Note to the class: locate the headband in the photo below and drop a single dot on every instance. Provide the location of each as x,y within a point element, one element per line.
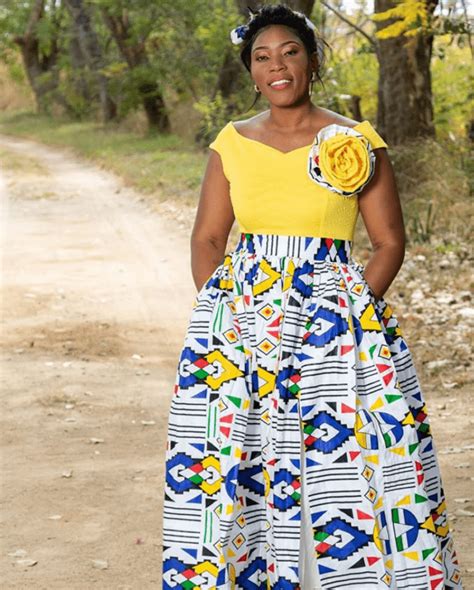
<point>237,35</point>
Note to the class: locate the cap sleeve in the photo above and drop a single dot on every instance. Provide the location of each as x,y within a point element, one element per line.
<point>371,134</point>
<point>221,146</point>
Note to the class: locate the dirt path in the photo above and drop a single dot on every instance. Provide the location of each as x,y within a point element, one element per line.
<point>97,291</point>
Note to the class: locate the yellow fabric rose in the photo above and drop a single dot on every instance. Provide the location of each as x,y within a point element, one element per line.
<point>344,161</point>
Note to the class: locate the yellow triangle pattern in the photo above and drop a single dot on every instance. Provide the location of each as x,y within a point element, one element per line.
<point>412,555</point>
<point>377,404</point>
<point>266,283</point>
<point>398,451</point>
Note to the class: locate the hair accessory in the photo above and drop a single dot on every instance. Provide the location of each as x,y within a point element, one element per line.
<point>238,34</point>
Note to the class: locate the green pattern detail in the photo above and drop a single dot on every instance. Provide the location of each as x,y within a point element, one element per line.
<point>218,317</point>
<point>413,447</point>
<point>235,400</point>
<point>420,499</point>
<point>426,552</point>
<point>392,397</point>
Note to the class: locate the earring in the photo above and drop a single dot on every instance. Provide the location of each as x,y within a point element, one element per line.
<point>255,88</point>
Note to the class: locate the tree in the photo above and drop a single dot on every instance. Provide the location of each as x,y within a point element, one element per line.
<point>40,59</point>
<point>405,96</point>
<point>132,47</point>
<point>90,48</point>
<point>404,49</point>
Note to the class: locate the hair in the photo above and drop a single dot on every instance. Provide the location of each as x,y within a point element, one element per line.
<point>282,14</point>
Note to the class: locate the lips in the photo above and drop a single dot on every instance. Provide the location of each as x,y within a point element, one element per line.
<point>280,86</point>
<point>276,80</point>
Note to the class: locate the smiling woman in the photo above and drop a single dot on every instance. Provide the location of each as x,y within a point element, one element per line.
<point>299,453</point>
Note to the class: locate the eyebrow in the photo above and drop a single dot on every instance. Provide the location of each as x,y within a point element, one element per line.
<point>266,46</point>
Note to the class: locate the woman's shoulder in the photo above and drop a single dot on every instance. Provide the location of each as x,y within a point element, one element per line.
<point>327,117</point>
<point>250,126</point>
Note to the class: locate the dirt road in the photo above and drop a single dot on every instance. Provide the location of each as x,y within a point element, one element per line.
<point>97,291</point>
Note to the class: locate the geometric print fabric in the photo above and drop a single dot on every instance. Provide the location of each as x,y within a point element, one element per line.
<point>288,355</point>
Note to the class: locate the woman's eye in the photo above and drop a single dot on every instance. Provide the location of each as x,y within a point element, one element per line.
<point>263,56</point>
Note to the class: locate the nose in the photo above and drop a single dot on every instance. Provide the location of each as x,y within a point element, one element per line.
<point>276,64</point>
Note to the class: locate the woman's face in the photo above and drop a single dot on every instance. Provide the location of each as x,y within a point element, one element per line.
<point>279,54</point>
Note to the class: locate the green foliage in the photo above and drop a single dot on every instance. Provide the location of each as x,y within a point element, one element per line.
<point>453,84</point>
<point>187,43</point>
<point>214,115</point>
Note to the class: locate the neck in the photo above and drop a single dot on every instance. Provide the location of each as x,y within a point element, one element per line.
<point>291,118</point>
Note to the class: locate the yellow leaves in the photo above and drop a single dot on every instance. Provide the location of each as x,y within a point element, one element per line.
<point>412,15</point>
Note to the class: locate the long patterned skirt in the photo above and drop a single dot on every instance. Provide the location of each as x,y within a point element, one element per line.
<point>290,367</point>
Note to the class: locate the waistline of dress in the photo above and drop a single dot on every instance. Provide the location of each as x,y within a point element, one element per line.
<point>307,247</point>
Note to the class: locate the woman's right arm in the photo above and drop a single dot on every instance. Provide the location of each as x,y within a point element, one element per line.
<point>213,222</point>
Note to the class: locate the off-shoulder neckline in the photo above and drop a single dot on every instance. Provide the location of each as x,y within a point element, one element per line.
<point>265,145</point>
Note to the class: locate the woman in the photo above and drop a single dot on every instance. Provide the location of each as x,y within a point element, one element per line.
<point>299,453</point>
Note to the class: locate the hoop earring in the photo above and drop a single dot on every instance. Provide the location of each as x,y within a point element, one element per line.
<point>256,89</point>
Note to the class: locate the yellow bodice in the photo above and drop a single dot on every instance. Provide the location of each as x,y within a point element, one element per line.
<point>271,191</point>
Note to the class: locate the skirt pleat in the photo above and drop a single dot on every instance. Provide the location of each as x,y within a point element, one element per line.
<point>299,453</point>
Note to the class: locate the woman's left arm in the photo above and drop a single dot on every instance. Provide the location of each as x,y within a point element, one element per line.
<point>381,210</point>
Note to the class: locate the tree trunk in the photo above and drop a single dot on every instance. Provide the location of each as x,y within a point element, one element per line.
<point>40,67</point>
<point>405,109</point>
<point>135,56</point>
<point>90,47</point>
<point>79,64</point>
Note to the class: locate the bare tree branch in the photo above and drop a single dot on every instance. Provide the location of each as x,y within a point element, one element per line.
<point>344,18</point>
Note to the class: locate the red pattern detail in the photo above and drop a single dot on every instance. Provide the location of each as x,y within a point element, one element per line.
<point>365,516</point>
<point>345,348</point>
<point>346,409</point>
<point>371,560</point>
<point>388,377</point>
<point>201,363</point>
